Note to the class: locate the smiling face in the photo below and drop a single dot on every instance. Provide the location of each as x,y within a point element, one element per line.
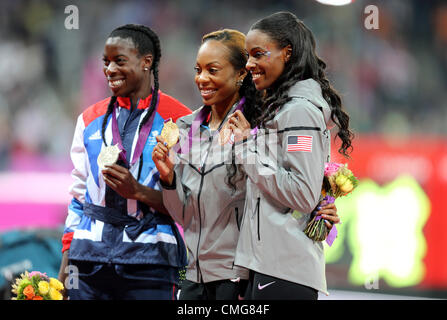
<point>215,76</point>
<point>266,60</point>
<point>124,69</point>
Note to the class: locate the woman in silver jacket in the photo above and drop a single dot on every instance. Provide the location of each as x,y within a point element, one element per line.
<point>205,191</point>
<point>284,160</point>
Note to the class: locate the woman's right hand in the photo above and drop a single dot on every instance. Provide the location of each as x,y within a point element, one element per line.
<point>163,162</point>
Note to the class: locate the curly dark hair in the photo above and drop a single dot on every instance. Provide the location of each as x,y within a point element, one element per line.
<point>286,29</point>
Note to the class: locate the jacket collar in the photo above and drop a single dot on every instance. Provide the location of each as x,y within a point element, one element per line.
<point>124,102</point>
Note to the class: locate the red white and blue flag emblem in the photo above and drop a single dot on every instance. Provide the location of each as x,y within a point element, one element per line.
<point>299,143</point>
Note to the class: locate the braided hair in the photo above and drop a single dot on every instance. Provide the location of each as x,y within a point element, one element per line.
<point>235,42</point>
<point>145,41</point>
<point>286,29</point>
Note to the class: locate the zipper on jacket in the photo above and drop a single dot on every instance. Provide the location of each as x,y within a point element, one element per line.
<point>187,193</point>
<point>237,218</point>
<point>257,205</point>
<point>200,225</point>
<point>202,176</point>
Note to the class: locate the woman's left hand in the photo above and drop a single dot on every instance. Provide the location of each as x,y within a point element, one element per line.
<point>239,125</point>
<point>121,180</point>
<point>329,213</point>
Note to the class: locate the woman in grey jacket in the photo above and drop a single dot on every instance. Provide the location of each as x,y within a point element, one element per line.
<point>284,161</point>
<point>205,191</point>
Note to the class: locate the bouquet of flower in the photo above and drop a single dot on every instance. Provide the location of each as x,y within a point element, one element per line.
<point>37,286</point>
<point>338,181</point>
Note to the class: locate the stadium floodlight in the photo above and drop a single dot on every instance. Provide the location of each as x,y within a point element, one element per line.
<point>335,2</point>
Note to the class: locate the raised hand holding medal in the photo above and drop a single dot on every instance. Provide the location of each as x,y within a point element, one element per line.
<point>225,134</point>
<point>168,137</point>
<point>238,126</point>
<point>230,129</point>
<point>170,133</point>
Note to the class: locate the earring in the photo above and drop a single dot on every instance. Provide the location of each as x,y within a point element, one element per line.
<point>239,83</point>
<point>146,69</point>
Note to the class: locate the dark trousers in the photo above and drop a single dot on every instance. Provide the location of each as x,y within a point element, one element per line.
<point>264,287</point>
<point>215,290</point>
<point>102,282</point>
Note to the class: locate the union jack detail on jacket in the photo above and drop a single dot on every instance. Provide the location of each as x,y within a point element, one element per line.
<point>93,240</point>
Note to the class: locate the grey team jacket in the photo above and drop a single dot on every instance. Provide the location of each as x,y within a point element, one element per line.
<point>284,176</point>
<point>205,206</point>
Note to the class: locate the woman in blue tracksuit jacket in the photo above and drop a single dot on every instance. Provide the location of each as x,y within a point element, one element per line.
<point>118,235</point>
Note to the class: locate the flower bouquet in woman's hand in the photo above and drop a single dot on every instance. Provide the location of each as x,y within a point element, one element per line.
<point>37,286</point>
<point>338,181</point>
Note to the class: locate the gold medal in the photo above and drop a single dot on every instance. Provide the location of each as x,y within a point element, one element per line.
<point>170,133</point>
<point>108,156</point>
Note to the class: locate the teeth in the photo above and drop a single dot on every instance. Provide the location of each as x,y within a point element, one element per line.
<point>255,75</point>
<point>207,91</point>
<point>116,83</point>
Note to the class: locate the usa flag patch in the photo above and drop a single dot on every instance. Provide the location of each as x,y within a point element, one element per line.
<point>299,143</point>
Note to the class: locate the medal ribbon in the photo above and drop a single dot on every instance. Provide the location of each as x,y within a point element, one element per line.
<point>142,136</point>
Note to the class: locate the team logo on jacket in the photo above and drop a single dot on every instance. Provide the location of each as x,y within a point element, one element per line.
<point>151,140</point>
<point>299,143</point>
<point>95,136</point>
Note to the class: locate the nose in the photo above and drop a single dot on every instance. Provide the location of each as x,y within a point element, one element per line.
<point>250,64</point>
<point>110,69</point>
<point>202,78</point>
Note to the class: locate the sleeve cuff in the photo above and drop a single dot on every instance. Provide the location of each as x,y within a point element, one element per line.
<point>169,187</point>
<point>66,241</point>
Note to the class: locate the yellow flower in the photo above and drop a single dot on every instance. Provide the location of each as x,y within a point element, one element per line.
<point>44,287</point>
<point>344,184</point>
<point>341,179</point>
<point>347,186</point>
<point>56,284</point>
<point>55,295</point>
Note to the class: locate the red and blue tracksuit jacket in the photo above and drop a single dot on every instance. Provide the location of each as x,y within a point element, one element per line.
<point>97,241</point>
